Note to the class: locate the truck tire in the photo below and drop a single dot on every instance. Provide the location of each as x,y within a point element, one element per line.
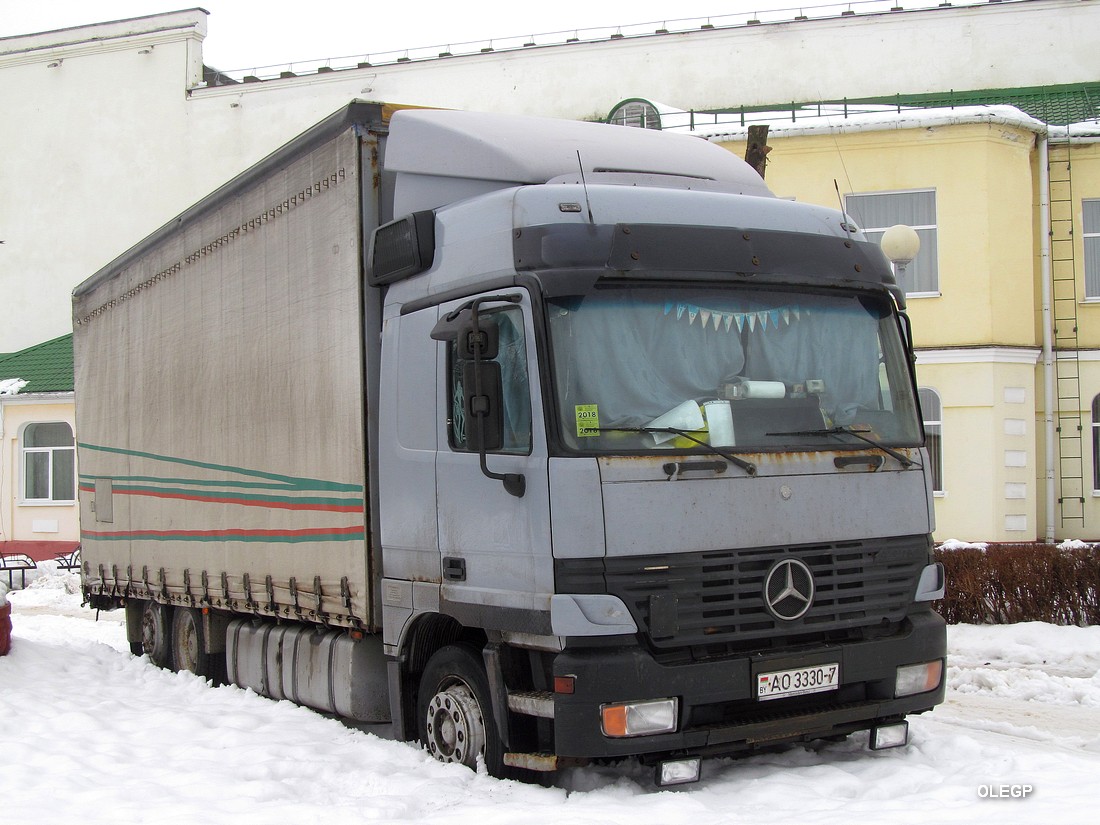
<point>189,643</point>
<point>156,632</point>
<point>455,715</point>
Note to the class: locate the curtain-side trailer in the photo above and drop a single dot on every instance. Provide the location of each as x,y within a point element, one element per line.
<point>542,441</point>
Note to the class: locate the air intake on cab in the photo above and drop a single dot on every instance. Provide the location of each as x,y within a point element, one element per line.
<point>401,248</point>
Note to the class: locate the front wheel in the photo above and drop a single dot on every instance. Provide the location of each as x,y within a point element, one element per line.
<point>456,718</point>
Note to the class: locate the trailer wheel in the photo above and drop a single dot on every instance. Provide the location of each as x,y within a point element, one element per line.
<point>456,720</point>
<point>155,633</point>
<point>189,643</point>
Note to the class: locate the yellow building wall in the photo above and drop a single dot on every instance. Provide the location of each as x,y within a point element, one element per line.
<point>31,522</point>
<point>990,488</point>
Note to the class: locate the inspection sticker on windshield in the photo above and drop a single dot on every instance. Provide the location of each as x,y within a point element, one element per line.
<point>797,682</point>
<point>588,420</point>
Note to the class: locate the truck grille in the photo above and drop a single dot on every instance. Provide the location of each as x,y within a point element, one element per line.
<point>712,603</point>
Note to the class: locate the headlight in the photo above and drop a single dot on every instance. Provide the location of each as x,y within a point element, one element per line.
<point>639,718</point>
<point>918,678</point>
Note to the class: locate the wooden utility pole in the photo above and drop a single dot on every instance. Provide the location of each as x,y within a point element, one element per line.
<point>756,153</point>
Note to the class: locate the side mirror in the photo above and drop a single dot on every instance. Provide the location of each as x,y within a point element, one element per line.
<point>477,343</point>
<point>484,402</point>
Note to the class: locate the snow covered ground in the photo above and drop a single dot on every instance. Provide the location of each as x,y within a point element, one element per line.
<point>91,734</point>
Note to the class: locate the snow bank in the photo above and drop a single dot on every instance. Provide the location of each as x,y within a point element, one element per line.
<point>1074,544</point>
<point>91,734</point>
<point>955,544</point>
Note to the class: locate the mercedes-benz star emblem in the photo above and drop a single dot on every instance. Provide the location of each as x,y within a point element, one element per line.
<point>789,590</point>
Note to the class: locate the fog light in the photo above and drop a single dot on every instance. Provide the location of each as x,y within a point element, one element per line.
<point>678,772</point>
<point>639,718</point>
<point>918,678</point>
<point>889,736</point>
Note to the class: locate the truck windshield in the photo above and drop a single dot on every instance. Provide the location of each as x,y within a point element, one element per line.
<point>752,369</point>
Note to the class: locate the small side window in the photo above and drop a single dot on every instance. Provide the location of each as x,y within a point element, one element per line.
<point>932,410</point>
<point>512,358</point>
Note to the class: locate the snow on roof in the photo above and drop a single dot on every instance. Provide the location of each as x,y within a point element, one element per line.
<point>832,119</point>
<point>11,386</point>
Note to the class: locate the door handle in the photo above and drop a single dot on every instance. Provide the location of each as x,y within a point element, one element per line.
<point>454,569</point>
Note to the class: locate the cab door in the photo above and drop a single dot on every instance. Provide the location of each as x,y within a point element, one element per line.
<point>494,538</point>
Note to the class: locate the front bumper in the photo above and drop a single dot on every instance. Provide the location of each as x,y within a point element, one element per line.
<point>718,710</point>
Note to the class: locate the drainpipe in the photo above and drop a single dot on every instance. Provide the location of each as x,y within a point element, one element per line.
<point>1048,343</point>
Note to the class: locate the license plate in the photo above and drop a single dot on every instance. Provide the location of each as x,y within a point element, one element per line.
<point>797,682</point>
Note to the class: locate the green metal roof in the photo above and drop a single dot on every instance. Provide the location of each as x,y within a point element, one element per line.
<point>46,367</point>
<point>1053,105</point>
<point>1056,105</point>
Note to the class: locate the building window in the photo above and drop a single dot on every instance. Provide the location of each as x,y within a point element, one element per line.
<point>1090,216</point>
<point>874,213</point>
<point>49,463</point>
<point>932,413</point>
<point>640,114</point>
<point>1096,443</point>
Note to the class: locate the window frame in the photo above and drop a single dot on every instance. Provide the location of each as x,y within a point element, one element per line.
<point>874,233</point>
<point>933,427</point>
<point>1089,239</point>
<point>1096,445</point>
<point>25,452</point>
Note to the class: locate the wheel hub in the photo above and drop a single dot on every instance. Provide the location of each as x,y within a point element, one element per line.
<point>187,652</point>
<point>456,727</point>
<point>150,631</point>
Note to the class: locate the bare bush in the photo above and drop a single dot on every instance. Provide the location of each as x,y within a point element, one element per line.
<point>1007,583</point>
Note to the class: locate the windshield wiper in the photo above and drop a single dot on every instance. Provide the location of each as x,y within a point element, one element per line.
<point>902,459</point>
<point>747,466</point>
